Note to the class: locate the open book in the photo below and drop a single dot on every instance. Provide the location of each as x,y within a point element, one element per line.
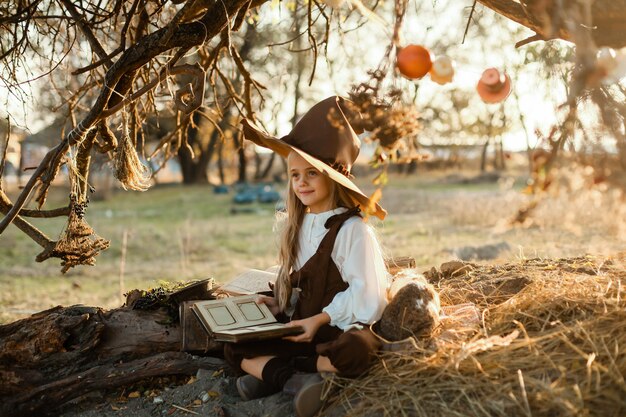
<point>250,282</point>
<point>240,319</point>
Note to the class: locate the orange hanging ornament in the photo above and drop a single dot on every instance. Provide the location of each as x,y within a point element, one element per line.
<point>414,61</point>
<point>442,70</point>
<point>494,86</point>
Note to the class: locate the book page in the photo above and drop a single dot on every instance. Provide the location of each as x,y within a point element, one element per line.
<point>250,282</point>
<point>250,311</point>
<point>221,315</point>
<point>233,312</point>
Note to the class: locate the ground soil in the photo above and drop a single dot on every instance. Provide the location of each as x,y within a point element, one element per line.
<point>207,394</point>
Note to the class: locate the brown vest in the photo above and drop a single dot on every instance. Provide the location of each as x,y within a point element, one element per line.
<point>319,279</point>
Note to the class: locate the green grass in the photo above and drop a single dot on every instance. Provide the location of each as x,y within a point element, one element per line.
<point>180,233</point>
<point>174,233</point>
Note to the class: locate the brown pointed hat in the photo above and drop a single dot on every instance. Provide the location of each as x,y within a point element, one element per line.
<point>325,138</point>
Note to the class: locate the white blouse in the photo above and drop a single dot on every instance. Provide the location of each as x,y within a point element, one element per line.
<point>360,261</point>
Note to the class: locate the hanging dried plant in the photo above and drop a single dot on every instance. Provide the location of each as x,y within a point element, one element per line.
<point>387,118</point>
<point>383,113</point>
<point>129,169</point>
<point>78,244</point>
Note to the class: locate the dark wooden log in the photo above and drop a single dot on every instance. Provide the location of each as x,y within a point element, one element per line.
<point>60,342</point>
<point>61,353</point>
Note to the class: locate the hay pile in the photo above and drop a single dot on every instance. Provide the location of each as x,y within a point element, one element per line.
<point>550,341</point>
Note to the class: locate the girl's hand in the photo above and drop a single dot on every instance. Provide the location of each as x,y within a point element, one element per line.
<point>311,325</point>
<point>270,302</point>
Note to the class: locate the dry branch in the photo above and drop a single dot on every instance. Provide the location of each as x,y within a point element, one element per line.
<point>119,79</point>
<point>608,18</point>
<point>85,28</point>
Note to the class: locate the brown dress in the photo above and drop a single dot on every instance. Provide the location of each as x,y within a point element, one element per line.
<point>319,280</point>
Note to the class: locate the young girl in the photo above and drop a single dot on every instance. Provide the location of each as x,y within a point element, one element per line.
<point>332,279</point>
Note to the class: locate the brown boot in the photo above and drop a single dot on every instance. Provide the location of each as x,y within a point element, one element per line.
<point>251,388</point>
<point>308,393</point>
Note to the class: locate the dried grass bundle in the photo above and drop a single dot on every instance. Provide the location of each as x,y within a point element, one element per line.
<point>555,348</point>
<point>387,120</point>
<point>79,244</point>
<point>129,169</point>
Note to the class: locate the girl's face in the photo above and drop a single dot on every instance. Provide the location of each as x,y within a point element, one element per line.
<point>313,189</point>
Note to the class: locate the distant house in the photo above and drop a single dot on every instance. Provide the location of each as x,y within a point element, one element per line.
<point>12,159</point>
<point>35,146</point>
<point>12,151</point>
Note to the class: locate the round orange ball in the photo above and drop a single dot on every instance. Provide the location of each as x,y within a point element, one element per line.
<point>414,61</point>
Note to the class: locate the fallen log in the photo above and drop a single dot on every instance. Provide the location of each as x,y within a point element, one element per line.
<point>60,342</point>
<point>59,354</point>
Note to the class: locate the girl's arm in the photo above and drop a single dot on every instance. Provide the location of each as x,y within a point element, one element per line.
<point>311,325</point>
<point>359,258</point>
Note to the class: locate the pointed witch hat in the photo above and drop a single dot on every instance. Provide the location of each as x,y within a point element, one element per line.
<point>325,138</point>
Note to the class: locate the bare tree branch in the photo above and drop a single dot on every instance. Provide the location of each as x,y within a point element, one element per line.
<point>84,27</point>
<point>31,231</point>
<point>121,74</point>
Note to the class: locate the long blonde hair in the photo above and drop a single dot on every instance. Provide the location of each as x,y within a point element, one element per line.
<point>289,231</point>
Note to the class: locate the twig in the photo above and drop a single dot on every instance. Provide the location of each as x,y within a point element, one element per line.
<point>241,15</point>
<point>184,409</point>
<point>98,62</point>
<point>6,204</point>
<point>533,38</point>
<point>312,42</point>
<point>165,72</point>
<point>190,8</point>
<point>118,50</point>
<point>31,231</point>
<point>248,80</point>
<point>5,148</point>
<point>84,27</point>
<point>123,263</point>
<point>524,393</point>
<point>469,20</point>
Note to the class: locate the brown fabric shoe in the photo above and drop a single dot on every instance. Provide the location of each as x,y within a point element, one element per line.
<point>308,398</point>
<point>251,388</point>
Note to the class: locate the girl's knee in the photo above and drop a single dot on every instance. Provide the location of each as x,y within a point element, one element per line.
<point>361,341</point>
<point>325,365</point>
<point>352,353</point>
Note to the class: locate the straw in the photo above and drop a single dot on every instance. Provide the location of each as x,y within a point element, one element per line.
<point>129,170</point>
<point>551,344</point>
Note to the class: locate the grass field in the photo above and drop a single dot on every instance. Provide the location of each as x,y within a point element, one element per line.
<point>177,233</point>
